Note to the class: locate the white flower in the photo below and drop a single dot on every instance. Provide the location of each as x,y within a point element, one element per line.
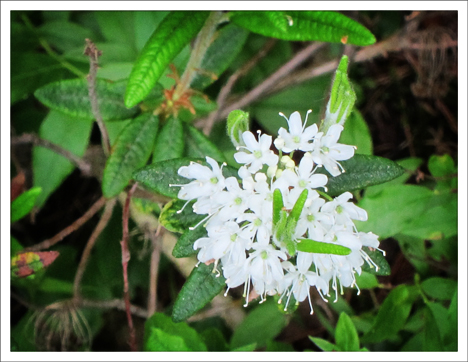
<point>343,211</point>
<point>260,152</point>
<point>300,278</point>
<point>298,137</point>
<point>301,178</point>
<point>313,221</point>
<point>327,151</point>
<point>207,182</point>
<point>234,200</point>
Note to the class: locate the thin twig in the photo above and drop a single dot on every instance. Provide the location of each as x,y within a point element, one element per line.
<point>264,87</point>
<point>125,260</point>
<point>46,244</point>
<point>226,89</point>
<point>113,304</point>
<point>90,244</point>
<point>155,258</point>
<point>84,167</point>
<point>92,51</point>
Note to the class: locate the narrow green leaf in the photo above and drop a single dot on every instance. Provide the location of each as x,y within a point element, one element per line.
<point>72,98</point>
<point>175,220</point>
<point>50,168</point>
<point>184,245</point>
<point>379,259</point>
<point>432,341</point>
<point>170,141</point>
<point>223,50</point>
<point>346,336</point>
<point>172,34</point>
<point>162,177</point>
<point>198,145</point>
<point>392,315</point>
<point>362,171</point>
<point>200,288</point>
<point>24,203</point>
<point>130,152</point>
<point>312,246</point>
<point>323,344</point>
<point>297,209</point>
<point>162,334</point>
<point>277,205</point>
<point>439,288</point>
<point>342,98</point>
<point>323,26</point>
<point>367,280</point>
<point>357,133</point>
<point>237,124</point>
<point>262,324</point>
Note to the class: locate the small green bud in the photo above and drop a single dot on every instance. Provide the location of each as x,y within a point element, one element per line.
<point>237,123</point>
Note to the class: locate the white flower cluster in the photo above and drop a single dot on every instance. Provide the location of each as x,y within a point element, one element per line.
<point>239,223</point>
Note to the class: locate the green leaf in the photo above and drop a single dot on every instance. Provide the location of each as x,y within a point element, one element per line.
<point>200,288</point>
<point>277,205</point>
<point>357,133</point>
<point>361,171</point>
<point>296,211</point>
<point>312,246</point>
<point>323,344</point>
<point>170,141</point>
<point>24,203</point>
<point>432,340</point>
<point>28,263</point>
<point>379,259</point>
<point>130,152</point>
<point>162,334</point>
<point>15,246</point>
<point>323,26</point>
<point>246,348</point>
<point>179,222</point>
<point>214,340</point>
<point>262,324</point>
<point>72,98</point>
<point>227,44</point>
<point>392,315</point>
<point>199,146</point>
<point>440,166</point>
<point>65,35</point>
<point>171,36</point>
<point>50,168</point>
<point>342,98</point>
<point>366,280</point>
<point>162,177</point>
<point>439,288</point>
<point>237,124</point>
<point>346,336</point>
<point>184,245</point>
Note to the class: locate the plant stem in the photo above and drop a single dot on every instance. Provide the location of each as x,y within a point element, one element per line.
<point>46,244</point>
<point>202,42</point>
<point>93,53</point>
<point>155,258</point>
<point>51,52</point>
<point>84,167</point>
<point>125,260</point>
<point>89,246</point>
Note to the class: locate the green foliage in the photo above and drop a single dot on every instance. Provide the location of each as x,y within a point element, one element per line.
<point>362,171</point>
<point>170,141</point>
<point>184,246</point>
<point>50,168</point>
<point>237,123</point>
<point>129,153</point>
<point>201,287</point>
<point>71,97</point>
<point>163,335</point>
<point>439,288</point>
<point>172,34</point>
<point>383,268</point>
<point>312,246</point>
<point>199,146</point>
<point>357,133</point>
<point>304,26</point>
<point>174,217</point>
<point>24,203</point>
<point>261,325</point>
<point>227,44</point>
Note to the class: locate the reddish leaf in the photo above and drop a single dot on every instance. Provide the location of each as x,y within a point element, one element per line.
<point>25,264</point>
<point>17,185</point>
